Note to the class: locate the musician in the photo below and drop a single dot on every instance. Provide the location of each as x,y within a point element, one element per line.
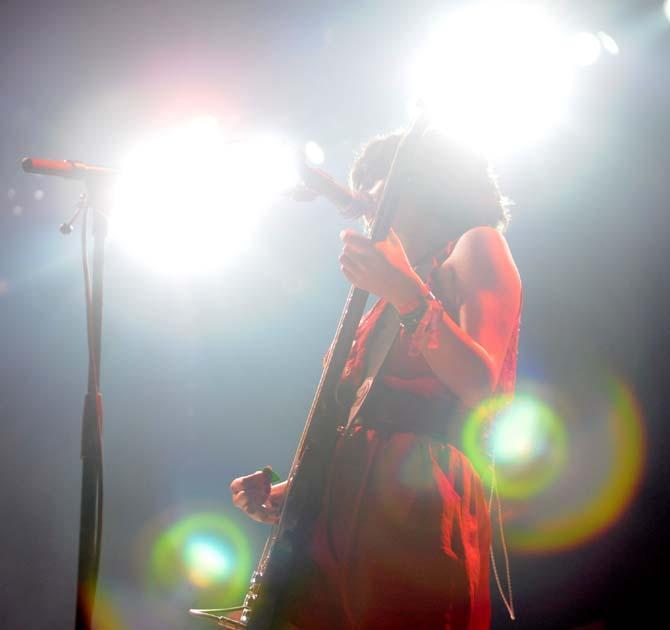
<point>403,535</point>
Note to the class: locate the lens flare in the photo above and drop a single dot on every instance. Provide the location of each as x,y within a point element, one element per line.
<point>568,463</point>
<point>106,615</point>
<point>523,436</point>
<point>208,561</point>
<point>203,559</point>
<point>603,480</point>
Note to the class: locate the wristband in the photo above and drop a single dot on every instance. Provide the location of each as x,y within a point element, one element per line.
<point>412,313</point>
<point>411,320</point>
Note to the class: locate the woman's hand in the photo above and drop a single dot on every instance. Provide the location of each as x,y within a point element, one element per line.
<point>380,268</point>
<point>257,497</point>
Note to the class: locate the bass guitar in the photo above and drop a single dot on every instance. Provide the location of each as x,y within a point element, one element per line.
<point>279,573</point>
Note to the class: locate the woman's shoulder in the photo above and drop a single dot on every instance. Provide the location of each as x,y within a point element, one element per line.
<point>482,239</point>
<point>481,257</point>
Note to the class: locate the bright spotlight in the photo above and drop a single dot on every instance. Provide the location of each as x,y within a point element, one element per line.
<point>586,49</point>
<point>666,8</point>
<point>189,198</point>
<point>495,74</point>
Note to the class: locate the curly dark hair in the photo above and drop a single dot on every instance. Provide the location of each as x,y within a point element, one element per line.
<point>449,178</point>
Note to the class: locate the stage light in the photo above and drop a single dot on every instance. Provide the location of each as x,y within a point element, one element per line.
<point>586,49</point>
<point>190,197</point>
<point>496,74</point>
<point>666,9</point>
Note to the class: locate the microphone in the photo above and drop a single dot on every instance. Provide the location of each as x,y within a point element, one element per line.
<point>65,168</point>
<point>350,203</point>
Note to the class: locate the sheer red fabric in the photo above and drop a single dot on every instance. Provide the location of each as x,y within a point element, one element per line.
<point>402,539</point>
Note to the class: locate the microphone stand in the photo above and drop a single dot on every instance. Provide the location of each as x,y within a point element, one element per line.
<point>97,180</point>
<point>90,516</point>
<point>91,502</point>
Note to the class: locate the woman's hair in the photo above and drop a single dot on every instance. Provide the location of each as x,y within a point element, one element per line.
<point>448,178</point>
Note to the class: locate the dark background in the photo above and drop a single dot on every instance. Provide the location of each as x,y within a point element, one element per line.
<point>211,377</point>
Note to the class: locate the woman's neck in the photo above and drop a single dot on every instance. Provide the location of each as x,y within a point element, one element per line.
<point>418,247</point>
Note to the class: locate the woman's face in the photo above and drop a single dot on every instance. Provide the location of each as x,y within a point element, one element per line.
<point>405,215</point>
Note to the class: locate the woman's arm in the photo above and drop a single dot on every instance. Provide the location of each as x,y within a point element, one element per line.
<point>479,276</point>
<point>469,354</point>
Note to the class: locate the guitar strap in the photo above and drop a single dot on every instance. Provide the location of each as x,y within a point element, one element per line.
<point>386,333</point>
<point>387,329</point>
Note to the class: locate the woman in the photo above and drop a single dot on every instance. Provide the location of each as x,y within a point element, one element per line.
<point>403,534</point>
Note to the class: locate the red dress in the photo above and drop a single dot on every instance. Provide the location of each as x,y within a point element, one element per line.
<point>403,535</point>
